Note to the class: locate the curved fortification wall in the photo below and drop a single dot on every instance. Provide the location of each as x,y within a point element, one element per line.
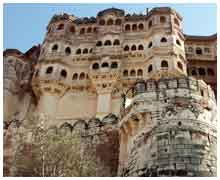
<point>169,130</point>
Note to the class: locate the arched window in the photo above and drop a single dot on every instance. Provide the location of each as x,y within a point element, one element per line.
<point>150,68</point>
<point>105,64</point>
<point>194,73</point>
<point>201,71</point>
<point>134,27</point>
<point>72,29</point>
<point>150,24</point>
<point>140,47</point>
<point>85,51</point>
<point>125,73</point>
<point>99,43</point>
<point>63,73</point>
<point>49,70</point>
<point>68,51</point>
<point>199,51</point>
<point>108,43</point>
<point>118,22</point>
<point>89,30</point>
<point>114,65</point>
<point>75,76</point>
<point>102,22</point>
<point>94,29</point>
<point>164,64</point>
<point>126,48</point>
<point>163,40</point>
<point>190,49</point>
<point>90,51</point>
<point>133,48</point>
<point>176,21</point>
<point>55,47</point>
<point>78,51</point>
<point>210,72</point>
<point>82,76</point>
<point>141,26</point>
<point>110,22</point>
<point>127,27</point>
<point>82,31</point>
<point>133,73</point>
<point>140,72</point>
<point>116,42</point>
<point>150,45</point>
<point>162,19</point>
<point>95,66</point>
<point>180,66</point>
<point>178,42</point>
<point>60,26</point>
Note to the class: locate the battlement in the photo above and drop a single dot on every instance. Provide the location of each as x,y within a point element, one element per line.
<point>165,89</point>
<point>194,86</point>
<point>84,128</point>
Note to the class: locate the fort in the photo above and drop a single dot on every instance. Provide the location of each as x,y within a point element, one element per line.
<point>134,86</point>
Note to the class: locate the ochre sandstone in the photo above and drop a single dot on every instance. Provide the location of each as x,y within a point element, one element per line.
<point>135,88</point>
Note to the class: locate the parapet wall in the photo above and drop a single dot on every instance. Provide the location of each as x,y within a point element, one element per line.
<point>198,87</point>
<point>84,128</point>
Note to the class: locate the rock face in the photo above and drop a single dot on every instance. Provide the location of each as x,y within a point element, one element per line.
<point>19,100</point>
<point>134,88</point>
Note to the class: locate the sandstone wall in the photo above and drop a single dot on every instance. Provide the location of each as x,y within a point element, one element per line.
<point>98,137</point>
<point>170,130</point>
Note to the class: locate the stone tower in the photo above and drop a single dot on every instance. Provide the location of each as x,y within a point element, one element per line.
<point>169,129</point>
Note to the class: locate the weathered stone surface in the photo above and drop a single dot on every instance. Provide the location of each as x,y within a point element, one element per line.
<point>181,138</point>
<point>123,84</point>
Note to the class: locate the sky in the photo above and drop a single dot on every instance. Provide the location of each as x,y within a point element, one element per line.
<point>25,24</point>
